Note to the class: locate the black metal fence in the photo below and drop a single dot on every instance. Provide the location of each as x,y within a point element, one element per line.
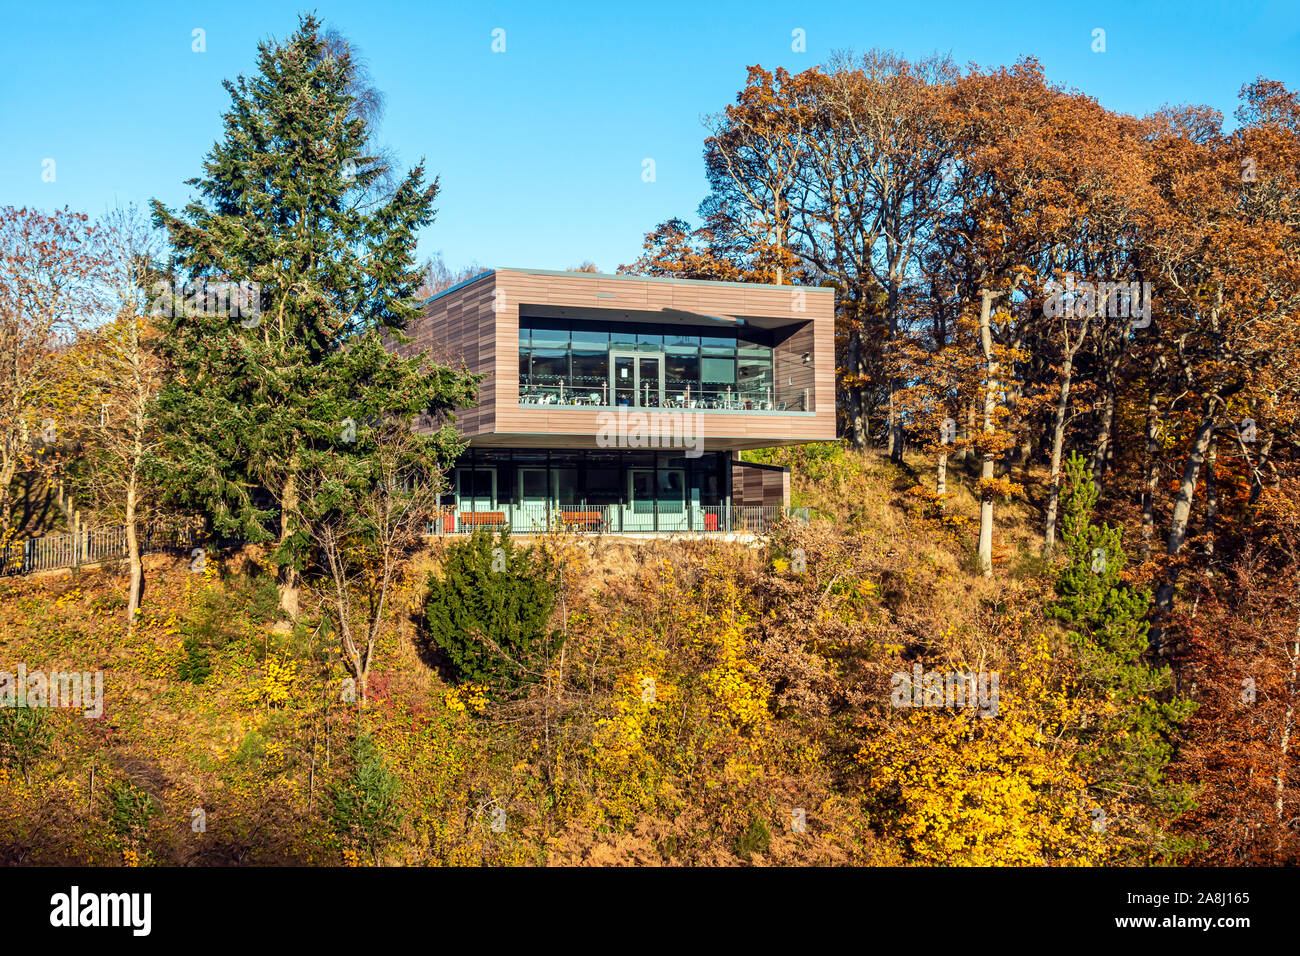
<point>96,545</point>
<point>91,546</point>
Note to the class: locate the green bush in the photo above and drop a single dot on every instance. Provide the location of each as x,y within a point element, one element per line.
<point>196,665</point>
<point>365,808</point>
<point>757,838</point>
<point>218,618</point>
<point>489,611</point>
<point>24,737</point>
<point>129,810</point>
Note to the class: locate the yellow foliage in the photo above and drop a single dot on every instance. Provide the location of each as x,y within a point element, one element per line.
<point>276,686</point>
<point>955,787</point>
<point>470,697</point>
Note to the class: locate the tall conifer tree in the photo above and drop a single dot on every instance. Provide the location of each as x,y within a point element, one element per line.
<point>291,199</point>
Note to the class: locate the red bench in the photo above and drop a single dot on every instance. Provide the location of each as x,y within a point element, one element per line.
<point>472,518</point>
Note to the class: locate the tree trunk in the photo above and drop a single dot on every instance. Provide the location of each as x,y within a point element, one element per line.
<point>1257,472</point>
<point>989,458</point>
<point>941,477</point>
<point>7,470</point>
<point>1211,499</point>
<point>288,578</point>
<point>1182,511</point>
<point>895,420</point>
<point>893,430</point>
<point>1284,746</point>
<point>133,557</point>
<point>1058,443</point>
<point>1103,454</point>
<point>853,392</point>
<point>1150,476</point>
<point>1187,488</point>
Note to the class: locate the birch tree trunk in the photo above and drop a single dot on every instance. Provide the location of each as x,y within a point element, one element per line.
<point>1284,745</point>
<point>1058,436</point>
<point>989,458</point>
<point>1182,511</point>
<point>1211,499</point>
<point>132,556</point>
<point>1150,475</point>
<point>1058,442</point>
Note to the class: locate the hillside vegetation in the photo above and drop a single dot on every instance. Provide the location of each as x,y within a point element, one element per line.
<point>693,702</point>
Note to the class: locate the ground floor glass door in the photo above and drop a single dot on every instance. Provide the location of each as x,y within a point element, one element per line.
<point>533,487</point>
<point>656,499</point>
<point>476,490</point>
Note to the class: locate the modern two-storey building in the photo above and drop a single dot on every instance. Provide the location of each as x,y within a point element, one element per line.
<point>621,404</point>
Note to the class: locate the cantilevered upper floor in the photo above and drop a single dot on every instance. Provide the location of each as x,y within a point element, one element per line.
<point>753,364</point>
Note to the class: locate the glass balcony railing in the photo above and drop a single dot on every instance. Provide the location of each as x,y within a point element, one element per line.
<point>704,400</point>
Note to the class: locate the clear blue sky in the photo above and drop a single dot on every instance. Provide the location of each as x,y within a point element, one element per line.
<point>540,148</point>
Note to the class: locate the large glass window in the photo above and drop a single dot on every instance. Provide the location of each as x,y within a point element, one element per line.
<point>718,345</point>
<point>568,361</point>
<point>718,382</point>
<point>682,373</point>
<point>622,336</point>
<point>650,340</point>
<point>590,365</point>
<point>754,373</point>
<point>550,354</point>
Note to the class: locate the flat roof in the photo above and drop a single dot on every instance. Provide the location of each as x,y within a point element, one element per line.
<point>458,285</point>
<point>627,278</point>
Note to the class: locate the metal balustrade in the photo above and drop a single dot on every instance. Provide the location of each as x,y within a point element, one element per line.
<point>661,518</point>
<point>96,545</point>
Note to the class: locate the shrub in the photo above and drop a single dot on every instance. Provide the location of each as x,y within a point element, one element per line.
<point>489,611</point>
<point>129,810</point>
<point>365,808</point>
<point>757,838</point>
<point>24,737</point>
<point>196,665</point>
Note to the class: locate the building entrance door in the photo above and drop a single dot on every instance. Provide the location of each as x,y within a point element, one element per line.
<point>637,379</point>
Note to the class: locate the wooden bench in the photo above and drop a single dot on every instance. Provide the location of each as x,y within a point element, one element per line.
<point>473,518</point>
<point>582,520</point>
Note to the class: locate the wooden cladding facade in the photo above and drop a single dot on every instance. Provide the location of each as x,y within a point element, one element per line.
<point>755,484</point>
<point>477,324</point>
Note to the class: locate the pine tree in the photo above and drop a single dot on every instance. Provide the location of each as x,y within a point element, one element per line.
<point>1128,744</point>
<point>366,809</point>
<point>295,381</point>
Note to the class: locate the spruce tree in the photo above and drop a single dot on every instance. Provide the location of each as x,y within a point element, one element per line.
<point>1129,739</point>
<point>291,199</point>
